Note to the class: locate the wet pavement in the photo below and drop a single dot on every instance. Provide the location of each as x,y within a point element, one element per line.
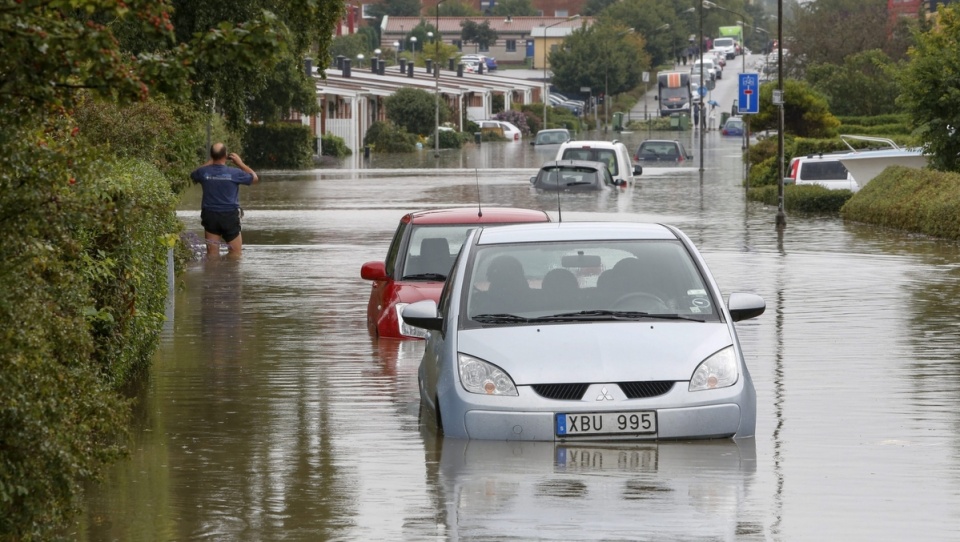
<point>271,414</point>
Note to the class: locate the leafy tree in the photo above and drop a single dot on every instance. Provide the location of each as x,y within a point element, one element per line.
<point>395,8</point>
<point>647,18</point>
<point>828,31</point>
<point>931,91</point>
<point>415,110</point>
<point>420,32</point>
<point>599,57</point>
<point>594,7</point>
<point>864,85</point>
<point>805,111</point>
<point>514,8</point>
<point>480,34</point>
<point>348,46</point>
<point>457,9</point>
<point>264,67</point>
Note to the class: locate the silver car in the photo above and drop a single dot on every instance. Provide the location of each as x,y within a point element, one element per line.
<point>584,331</point>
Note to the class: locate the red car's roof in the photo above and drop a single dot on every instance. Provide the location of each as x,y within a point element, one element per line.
<point>469,215</point>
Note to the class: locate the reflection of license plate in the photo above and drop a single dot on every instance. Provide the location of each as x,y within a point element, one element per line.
<point>632,459</point>
<point>606,423</point>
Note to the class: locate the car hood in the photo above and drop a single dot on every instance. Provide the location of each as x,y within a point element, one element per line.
<point>411,292</point>
<point>597,352</point>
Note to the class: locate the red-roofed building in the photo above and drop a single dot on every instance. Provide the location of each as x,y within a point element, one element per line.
<point>911,8</point>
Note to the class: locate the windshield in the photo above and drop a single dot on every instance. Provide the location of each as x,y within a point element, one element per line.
<point>607,156</point>
<point>723,42</point>
<point>585,281</point>
<point>568,177</point>
<point>432,249</point>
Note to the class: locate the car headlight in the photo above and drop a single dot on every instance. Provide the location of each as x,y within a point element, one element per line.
<point>405,328</point>
<point>478,376</point>
<point>718,371</point>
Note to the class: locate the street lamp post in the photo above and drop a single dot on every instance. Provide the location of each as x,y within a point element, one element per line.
<point>546,87</point>
<point>436,80</point>
<point>413,47</point>
<point>360,60</point>
<point>396,52</point>
<point>700,119</point>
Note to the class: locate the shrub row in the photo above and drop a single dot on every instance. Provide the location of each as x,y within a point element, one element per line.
<point>279,145</point>
<point>920,201</point>
<point>811,199</point>
<point>83,248</point>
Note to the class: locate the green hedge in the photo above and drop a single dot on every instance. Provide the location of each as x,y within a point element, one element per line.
<point>331,145</point>
<point>388,137</point>
<point>278,146</point>
<point>914,200</point>
<point>810,199</point>
<point>83,246</point>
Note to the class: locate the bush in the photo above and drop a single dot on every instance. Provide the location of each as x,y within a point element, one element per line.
<point>414,110</point>
<point>388,137</point>
<point>331,145</point>
<point>166,135</point>
<point>82,254</point>
<point>811,199</point>
<point>521,120</point>
<point>449,139</point>
<point>921,201</point>
<point>279,145</point>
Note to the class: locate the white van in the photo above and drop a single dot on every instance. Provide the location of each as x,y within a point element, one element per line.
<point>612,153</point>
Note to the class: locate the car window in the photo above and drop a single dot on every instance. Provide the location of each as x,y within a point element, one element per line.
<point>607,156</point>
<point>568,177</point>
<point>432,249</point>
<point>533,280</point>
<point>393,254</point>
<point>822,170</point>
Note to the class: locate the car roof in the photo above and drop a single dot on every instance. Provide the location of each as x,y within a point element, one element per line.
<point>573,163</point>
<point>588,144</point>
<point>469,215</point>
<point>575,231</point>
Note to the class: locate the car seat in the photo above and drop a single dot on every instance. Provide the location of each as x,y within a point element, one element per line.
<point>561,290</point>
<point>508,289</point>
<point>434,256</point>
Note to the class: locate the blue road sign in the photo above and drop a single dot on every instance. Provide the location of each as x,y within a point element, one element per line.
<point>702,91</point>
<point>748,101</point>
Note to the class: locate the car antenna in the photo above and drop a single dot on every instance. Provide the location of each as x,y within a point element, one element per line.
<point>479,208</point>
<point>559,213</point>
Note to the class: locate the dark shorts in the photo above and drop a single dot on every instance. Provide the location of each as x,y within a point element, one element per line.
<point>226,224</point>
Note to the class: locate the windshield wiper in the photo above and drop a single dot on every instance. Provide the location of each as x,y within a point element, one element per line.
<point>500,319</point>
<point>426,276</point>
<point>600,315</point>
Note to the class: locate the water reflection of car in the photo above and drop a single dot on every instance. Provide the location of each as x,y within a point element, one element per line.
<point>689,490</point>
<point>663,151</point>
<point>553,136</point>
<point>733,127</point>
<point>574,176</point>
<point>581,331</point>
<point>419,258</point>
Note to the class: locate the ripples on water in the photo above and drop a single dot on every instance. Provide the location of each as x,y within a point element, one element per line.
<point>271,414</point>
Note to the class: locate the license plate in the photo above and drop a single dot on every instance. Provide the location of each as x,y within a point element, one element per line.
<point>606,423</point>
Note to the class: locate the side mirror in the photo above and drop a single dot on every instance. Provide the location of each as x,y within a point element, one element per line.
<point>533,180</point>
<point>656,97</point>
<point>742,306</point>
<point>533,142</point>
<point>423,314</point>
<point>637,170</point>
<point>373,271</point>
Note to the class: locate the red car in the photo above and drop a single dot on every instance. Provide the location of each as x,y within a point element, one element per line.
<point>420,256</point>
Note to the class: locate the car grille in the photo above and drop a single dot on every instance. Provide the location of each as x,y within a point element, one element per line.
<point>640,390</point>
<point>574,392</point>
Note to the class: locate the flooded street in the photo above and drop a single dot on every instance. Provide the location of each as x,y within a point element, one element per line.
<point>272,414</point>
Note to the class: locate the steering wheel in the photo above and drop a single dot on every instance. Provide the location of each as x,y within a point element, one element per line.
<point>640,302</point>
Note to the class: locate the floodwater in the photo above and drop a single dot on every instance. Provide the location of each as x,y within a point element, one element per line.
<point>271,414</point>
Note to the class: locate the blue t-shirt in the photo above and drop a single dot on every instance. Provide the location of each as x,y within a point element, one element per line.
<point>221,186</point>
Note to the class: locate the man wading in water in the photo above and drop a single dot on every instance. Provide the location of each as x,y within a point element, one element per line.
<point>220,211</point>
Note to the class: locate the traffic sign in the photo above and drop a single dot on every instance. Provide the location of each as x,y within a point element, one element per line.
<point>749,99</point>
<point>702,91</point>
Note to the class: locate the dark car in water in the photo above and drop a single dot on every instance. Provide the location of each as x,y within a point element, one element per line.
<point>574,176</point>
<point>662,150</point>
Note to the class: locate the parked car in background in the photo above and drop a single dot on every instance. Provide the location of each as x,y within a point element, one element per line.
<point>503,127</point>
<point>581,331</point>
<point>708,68</point>
<point>572,106</point>
<point>419,258</point>
<point>574,176</point>
<point>733,127</point>
<point>662,151</point>
<point>553,136</point>
<point>824,170</point>
<point>489,63</point>
<point>612,153</point>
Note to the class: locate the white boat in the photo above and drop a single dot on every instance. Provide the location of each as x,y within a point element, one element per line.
<point>865,164</point>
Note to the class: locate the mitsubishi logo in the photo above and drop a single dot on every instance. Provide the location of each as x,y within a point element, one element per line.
<point>604,395</point>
